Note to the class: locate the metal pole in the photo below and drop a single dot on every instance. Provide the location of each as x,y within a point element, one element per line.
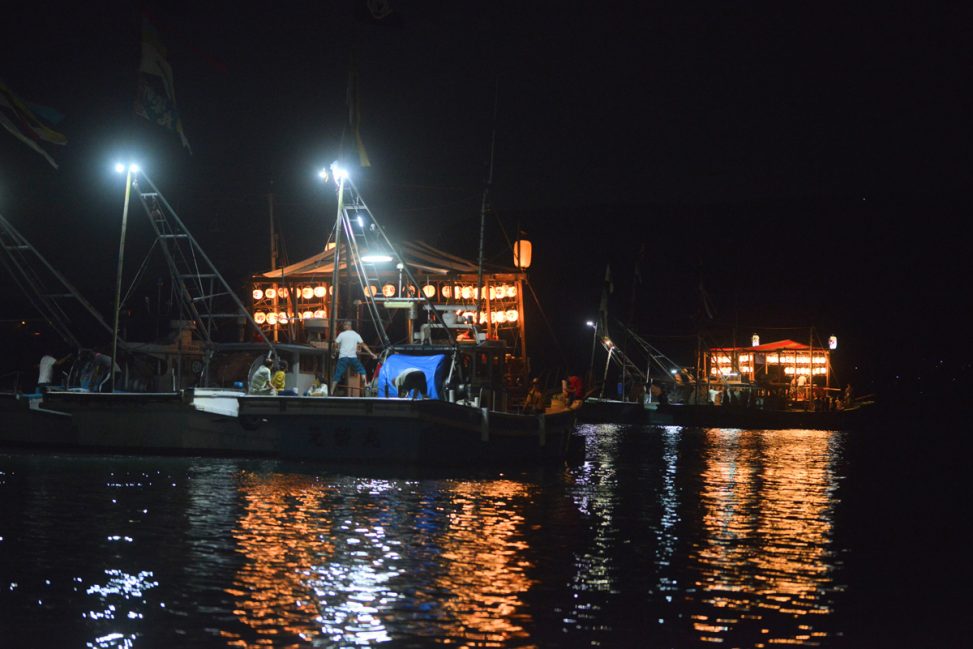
<point>333,324</point>
<point>118,277</point>
<point>591,363</point>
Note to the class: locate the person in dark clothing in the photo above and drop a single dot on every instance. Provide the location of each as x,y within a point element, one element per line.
<point>412,380</point>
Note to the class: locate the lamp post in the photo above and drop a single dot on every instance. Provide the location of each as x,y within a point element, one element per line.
<point>130,171</point>
<point>591,363</point>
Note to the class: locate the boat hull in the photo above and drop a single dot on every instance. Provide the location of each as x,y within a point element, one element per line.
<point>407,431</point>
<point>730,417</point>
<point>609,411</point>
<point>296,428</point>
<point>152,423</point>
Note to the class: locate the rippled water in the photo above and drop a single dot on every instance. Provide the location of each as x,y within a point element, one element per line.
<point>662,537</point>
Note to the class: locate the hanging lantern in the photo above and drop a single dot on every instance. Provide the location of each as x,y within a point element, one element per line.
<point>260,317</point>
<point>270,293</point>
<point>447,291</point>
<point>373,290</point>
<point>307,315</point>
<point>320,313</point>
<point>282,317</point>
<point>501,292</point>
<point>272,318</point>
<point>522,254</point>
<point>467,293</point>
<point>755,340</point>
<point>512,315</point>
<point>388,290</point>
<point>512,291</point>
<point>320,291</point>
<point>307,292</point>
<point>282,293</point>
<point>412,292</point>
<point>429,291</point>
<point>500,316</point>
<point>833,342</point>
<point>258,294</point>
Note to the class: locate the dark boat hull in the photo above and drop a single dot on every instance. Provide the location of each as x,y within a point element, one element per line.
<point>730,417</point>
<point>151,423</point>
<point>297,428</point>
<point>608,411</point>
<point>414,432</point>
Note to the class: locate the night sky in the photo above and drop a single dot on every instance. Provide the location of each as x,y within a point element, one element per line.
<point>809,164</point>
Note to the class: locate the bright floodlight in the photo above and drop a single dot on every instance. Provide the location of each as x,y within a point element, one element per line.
<point>376,259</point>
<point>674,372</point>
<point>323,174</point>
<point>133,168</point>
<point>338,172</point>
<point>119,168</point>
<point>590,323</point>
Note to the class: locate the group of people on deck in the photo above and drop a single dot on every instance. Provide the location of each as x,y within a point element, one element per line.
<point>271,377</point>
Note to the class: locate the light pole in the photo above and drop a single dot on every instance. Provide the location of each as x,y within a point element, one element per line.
<point>591,363</point>
<point>131,169</point>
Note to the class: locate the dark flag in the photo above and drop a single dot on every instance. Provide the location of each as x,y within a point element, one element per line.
<point>156,98</point>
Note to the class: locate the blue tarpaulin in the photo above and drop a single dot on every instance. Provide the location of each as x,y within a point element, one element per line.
<point>434,366</point>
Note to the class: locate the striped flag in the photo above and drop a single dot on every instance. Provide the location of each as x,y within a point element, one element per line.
<point>156,98</point>
<point>21,120</point>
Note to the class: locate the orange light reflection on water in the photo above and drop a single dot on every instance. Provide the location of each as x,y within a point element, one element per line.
<point>767,521</point>
<point>320,566</point>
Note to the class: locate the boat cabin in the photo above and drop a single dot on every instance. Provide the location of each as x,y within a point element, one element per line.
<point>776,373</point>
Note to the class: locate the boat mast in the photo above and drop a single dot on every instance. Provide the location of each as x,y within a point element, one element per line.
<point>483,210</point>
<point>333,319</point>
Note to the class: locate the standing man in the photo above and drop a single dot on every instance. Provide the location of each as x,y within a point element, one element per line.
<point>347,342</point>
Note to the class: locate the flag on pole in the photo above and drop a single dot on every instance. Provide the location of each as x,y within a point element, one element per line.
<point>156,97</point>
<point>353,100</point>
<point>21,120</point>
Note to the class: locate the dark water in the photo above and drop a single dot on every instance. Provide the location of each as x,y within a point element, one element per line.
<point>664,537</point>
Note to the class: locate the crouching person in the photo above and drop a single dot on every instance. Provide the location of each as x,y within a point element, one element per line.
<point>412,380</point>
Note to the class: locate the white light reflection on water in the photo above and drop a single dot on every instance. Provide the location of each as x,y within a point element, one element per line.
<point>324,562</point>
<point>666,538</point>
<point>596,496</point>
<point>121,596</point>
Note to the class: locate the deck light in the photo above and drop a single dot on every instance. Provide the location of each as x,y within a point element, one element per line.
<point>375,258</point>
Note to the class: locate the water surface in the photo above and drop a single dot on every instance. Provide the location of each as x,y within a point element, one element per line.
<point>664,537</point>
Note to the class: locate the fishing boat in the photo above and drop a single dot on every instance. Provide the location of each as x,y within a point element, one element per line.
<point>469,414</point>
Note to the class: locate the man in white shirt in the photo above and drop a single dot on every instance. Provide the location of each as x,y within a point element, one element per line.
<point>45,374</point>
<point>347,342</point>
